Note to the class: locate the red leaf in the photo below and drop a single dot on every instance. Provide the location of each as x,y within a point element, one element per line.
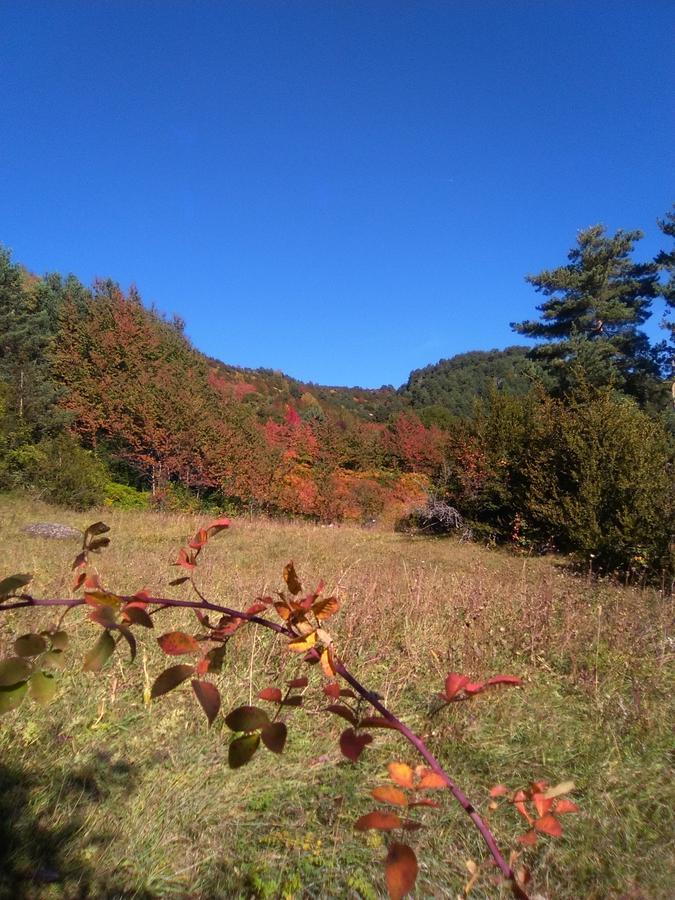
<point>504,679</point>
<point>549,825</point>
<point>400,870</point>
<point>565,806</point>
<point>424,801</point>
<point>187,562</point>
<point>375,721</point>
<point>352,744</point>
<point>80,560</point>
<point>138,616</point>
<point>474,687</point>
<point>208,697</point>
<point>199,539</point>
<point>273,694</point>
<point>299,682</point>
<point>218,525</point>
<point>175,643</point>
<point>339,710</point>
<point>499,790</point>
<point>274,736</point>
<point>541,804</point>
<point>519,799</point>
<point>256,608</point>
<point>79,581</point>
<point>529,838</point>
<point>454,683</point>
<point>382,821</point>
<point>332,690</point>
<point>169,679</point>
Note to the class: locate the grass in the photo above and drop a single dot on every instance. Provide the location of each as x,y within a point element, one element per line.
<point>102,795</point>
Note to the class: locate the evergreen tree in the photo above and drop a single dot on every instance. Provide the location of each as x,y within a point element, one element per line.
<point>27,331</point>
<point>665,261</point>
<point>593,312</point>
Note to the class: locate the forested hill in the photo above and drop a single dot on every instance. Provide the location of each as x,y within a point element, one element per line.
<point>454,384</point>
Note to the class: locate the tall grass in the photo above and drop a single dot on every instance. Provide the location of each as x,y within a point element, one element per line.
<point>106,796</point>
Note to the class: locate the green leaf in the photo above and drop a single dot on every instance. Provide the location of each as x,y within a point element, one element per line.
<point>274,736</point>
<point>100,653</point>
<point>53,659</point>
<point>242,749</point>
<point>14,670</point>
<point>30,645</point>
<point>11,585</point>
<point>42,688</point>
<point>169,679</point>
<point>93,530</point>
<point>129,638</point>
<point>98,544</point>
<point>216,657</point>
<point>247,718</point>
<point>11,697</point>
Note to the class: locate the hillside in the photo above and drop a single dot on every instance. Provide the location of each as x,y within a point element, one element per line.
<point>102,795</point>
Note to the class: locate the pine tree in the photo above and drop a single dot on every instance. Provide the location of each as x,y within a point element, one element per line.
<point>590,321</point>
<point>27,331</point>
<point>665,261</point>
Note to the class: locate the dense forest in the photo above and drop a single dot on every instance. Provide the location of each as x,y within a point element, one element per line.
<point>566,444</point>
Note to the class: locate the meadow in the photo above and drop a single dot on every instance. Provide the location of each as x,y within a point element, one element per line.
<point>105,795</point>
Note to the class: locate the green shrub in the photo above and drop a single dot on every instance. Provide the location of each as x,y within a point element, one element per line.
<point>590,475</point>
<point>600,481</point>
<point>123,496</point>
<point>68,475</point>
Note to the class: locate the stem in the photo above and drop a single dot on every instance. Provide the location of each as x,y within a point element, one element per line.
<point>426,754</point>
<point>344,673</point>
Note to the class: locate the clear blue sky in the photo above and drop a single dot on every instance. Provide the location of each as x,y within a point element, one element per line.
<point>341,190</point>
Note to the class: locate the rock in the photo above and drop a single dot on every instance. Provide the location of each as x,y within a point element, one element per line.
<point>52,530</point>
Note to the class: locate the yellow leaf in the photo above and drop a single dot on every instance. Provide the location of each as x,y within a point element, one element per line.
<point>102,598</point>
<point>327,663</point>
<point>299,644</point>
<point>324,609</point>
<point>303,626</point>
<point>402,774</point>
<point>565,787</point>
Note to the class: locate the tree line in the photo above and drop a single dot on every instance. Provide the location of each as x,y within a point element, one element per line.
<point>567,445</point>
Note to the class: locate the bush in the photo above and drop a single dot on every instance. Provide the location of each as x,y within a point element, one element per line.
<point>68,475</point>
<point>125,497</point>
<point>437,517</point>
<point>601,483</point>
<point>591,475</point>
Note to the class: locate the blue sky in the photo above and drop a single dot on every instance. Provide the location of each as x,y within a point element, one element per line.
<point>341,190</point>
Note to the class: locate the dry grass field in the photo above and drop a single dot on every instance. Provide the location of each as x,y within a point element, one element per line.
<point>105,796</point>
